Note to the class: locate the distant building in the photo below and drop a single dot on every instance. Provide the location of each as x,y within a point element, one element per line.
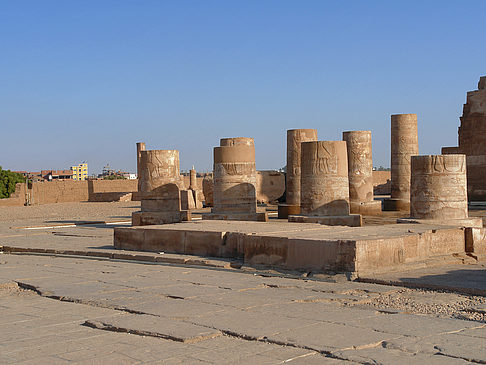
<point>80,172</point>
<point>50,175</point>
<point>129,176</point>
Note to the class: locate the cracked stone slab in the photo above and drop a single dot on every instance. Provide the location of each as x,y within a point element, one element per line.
<point>144,325</point>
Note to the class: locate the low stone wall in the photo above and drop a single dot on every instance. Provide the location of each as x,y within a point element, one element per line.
<point>17,198</point>
<point>63,191</point>
<point>381,182</point>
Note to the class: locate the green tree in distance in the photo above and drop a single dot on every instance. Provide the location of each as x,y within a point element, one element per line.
<point>8,180</point>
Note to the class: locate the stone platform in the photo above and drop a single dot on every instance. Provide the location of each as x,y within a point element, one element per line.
<point>301,246</point>
<point>351,220</point>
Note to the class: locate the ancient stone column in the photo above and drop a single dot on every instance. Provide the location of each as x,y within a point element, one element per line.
<point>140,148</point>
<point>193,179</point>
<point>438,187</point>
<point>237,141</point>
<point>324,178</point>
<point>234,181</point>
<point>404,144</point>
<point>360,173</point>
<point>294,139</point>
<point>160,185</point>
<point>324,196</point>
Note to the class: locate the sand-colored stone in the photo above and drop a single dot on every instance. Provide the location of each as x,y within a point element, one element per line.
<point>438,187</point>
<point>472,141</point>
<point>234,190</point>
<point>300,246</point>
<point>193,179</point>
<point>208,188</point>
<point>294,139</point>
<point>404,144</point>
<point>324,179</point>
<point>270,186</point>
<point>140,147</point>
<point>160,186</point>
<point>360,173</point>
<point>237,141</point>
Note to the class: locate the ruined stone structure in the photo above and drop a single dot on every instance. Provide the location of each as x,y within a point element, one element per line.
<point>324,194</point>
<point>160,186</point>
<point>140,148</point>
<point>234,190</point>
<point>191,198</point>
<point>360,173</point>
<point>404,144</point>
<point>438,191</point>
<point>472,141</point>
<point>294,139</point>
<point>438,188</point>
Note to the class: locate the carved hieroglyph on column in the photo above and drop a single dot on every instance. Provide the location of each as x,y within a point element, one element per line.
<point>234,181</point>
<point>439,187</point>
<point>360,165</point>
<point>294,139</point>
<point>140,148</point>
<point>324,179</point>
<point>234,178</point>
<point>404,144</point>
<point>160,180</point>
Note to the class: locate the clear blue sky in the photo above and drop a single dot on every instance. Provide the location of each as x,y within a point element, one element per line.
<point>85,80</point>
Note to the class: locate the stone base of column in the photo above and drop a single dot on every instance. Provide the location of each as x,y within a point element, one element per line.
<point>284,210</point>
<point>392,204</point>
<point>151,218</point>
<point>257,217</point>
<point>352,220</point>
<point>366,208</point>
<point>476,222</point>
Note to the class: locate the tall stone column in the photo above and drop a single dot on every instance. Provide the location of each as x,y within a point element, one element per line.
<point>235,178</point>
<point>140,148</point>
<point>193,179</point>
<point>438,191</point>
<point>324,194</point>
<point>360,173</point>
<point>160,185</point>
<point>292,181</point>
<point>404,144</point>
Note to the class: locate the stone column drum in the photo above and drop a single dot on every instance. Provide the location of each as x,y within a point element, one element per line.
<point>234,181</point>
<point>237,141</point>
<point>324,194</point>
<point>193,179</point>
<point>140,148</point>
<point>360,173</point>
<point>292,181</point>
<point>324,178</point>
<point>404,144</point>
<point>160,185</point>
<point>438,187</point>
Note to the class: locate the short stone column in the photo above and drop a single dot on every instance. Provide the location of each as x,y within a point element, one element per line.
<point>234,179</point>
<point>140,148</point>
<point>324,194</point>
<point>294,139</point>
<point>192,198</point>
<point>160,185</point>
<point>360,173</point>
<point>404,145</point>
<point>438,191</point>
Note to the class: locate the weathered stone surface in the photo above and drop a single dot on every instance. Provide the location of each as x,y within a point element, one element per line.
<point>270,185</point>
<point>351,220</point>
<point>208,188</point>
<point>294,139</point>
<point>324,179</point>
<point>187,200</point>
<point>472,141</point>
<point>404,144</point>
<point>234,190</point>
<point>140,148</point>
<point>438,187</point>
